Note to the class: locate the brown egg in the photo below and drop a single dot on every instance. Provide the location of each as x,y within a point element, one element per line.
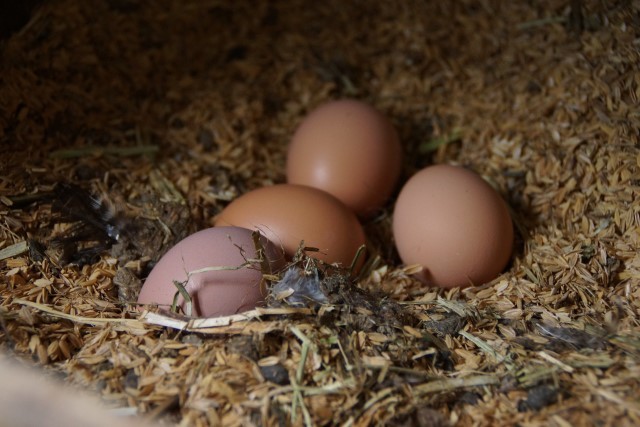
<point>213,293</point>
<point>288,214</point>
<point>349,149</point>
<point>454,224</point>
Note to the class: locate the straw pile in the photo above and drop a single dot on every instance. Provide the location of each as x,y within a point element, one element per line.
<point>167,110</point>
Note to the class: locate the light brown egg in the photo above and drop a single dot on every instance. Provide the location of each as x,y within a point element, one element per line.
<point>349,149</point>
<point>288,214</point>
<point>213,293</point>
<point>454,224</point>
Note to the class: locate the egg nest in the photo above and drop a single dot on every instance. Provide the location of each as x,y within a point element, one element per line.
<point>152,117</point>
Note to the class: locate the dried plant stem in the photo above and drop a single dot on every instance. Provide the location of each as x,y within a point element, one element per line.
<point>297,393</point>
<point>134,323</point>
<point>483,345</point>
<point>451,384</point>
<point>14,250</point>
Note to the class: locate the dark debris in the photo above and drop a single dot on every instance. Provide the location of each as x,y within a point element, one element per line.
<point>571,337</point>
<point>538,397</point>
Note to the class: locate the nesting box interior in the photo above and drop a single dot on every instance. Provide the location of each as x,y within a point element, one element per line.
<point>149,118</point>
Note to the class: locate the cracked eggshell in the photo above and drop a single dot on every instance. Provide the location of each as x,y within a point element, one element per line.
<point>213,293</point>
<point>288,214</point>
<point>350,150</point>
<point>453,223</point>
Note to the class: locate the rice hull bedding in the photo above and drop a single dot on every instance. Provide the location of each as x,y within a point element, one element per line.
<point>164,113</point>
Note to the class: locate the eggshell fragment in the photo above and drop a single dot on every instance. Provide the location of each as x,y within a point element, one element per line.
<point>454,224</point>
<point>288,214</point>
<point>213,293</point>
<point>350,150</point>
